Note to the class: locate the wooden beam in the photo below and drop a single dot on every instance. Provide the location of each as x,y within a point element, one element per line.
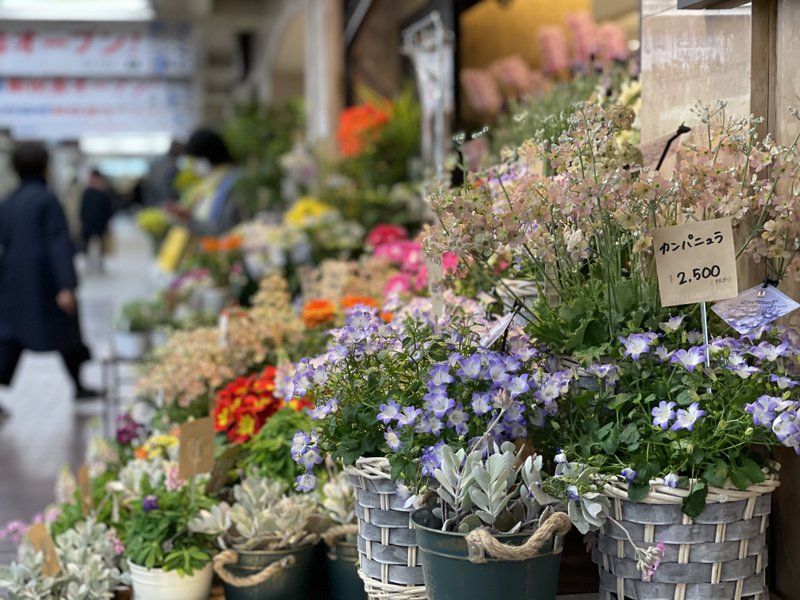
<point>763,49</point>
<point>705,4</point>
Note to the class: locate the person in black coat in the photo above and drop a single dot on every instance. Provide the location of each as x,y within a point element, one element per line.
<point>38,308</point>
<point>96,211</point>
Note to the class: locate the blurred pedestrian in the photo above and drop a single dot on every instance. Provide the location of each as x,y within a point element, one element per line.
<point>160,183</point>
<point>210,208</point>
<point>96,211</point>
<point>38,307</point>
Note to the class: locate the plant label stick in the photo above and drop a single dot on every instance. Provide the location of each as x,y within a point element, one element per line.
<point>696,262</point>
<point>196,448</point>
<point>40,539</point>
<point>85,488</point>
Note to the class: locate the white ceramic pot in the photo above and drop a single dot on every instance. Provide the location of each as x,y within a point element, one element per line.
<point>157,584</point>
<point>131,345</point>
<point>214,300</point>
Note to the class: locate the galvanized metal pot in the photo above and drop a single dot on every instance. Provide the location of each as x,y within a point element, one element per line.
<point>290,583</point>
<point>449,574</point>
<point>345,584</point>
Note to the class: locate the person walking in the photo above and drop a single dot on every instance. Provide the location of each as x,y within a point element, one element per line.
<point>96,211</point>
<point>38,307</point>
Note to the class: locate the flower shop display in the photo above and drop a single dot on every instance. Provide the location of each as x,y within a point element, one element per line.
<point>132,331</point>
<point>243,406</point>
<point>267,538</point>
<point>89,566</point>
<point>487,534</point>
<point>222,259</point>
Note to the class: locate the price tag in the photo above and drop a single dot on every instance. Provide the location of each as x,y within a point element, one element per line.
<point>85,488</point>
<point>197,448</point>
<point>495,332</point>
<point>40,539</point>
<point>696,262</point>
<point>754,308</point>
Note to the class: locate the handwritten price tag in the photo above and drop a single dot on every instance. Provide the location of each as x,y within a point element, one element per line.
<point>85,487</point>
<point>40,539</point>
<point>197,448</point>
<point>696,262</point>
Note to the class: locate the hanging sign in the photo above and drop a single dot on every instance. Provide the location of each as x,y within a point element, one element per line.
<point>754,308</point>
<point>696,262</point>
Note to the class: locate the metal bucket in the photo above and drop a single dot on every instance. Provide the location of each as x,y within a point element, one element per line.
<point>290,583</point>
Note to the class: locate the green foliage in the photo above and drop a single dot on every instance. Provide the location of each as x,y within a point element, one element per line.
<point>137,316</point>
<point>258,136</point>
<point>70,514</point>
<point>269,451</point>
<point>161,538</point>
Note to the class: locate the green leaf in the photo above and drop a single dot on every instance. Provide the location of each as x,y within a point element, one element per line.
<point>630,435</point>
<point>695,503</point>
<point>754,472</point>
<point>611,443</point>
<point>638,490</point>
<point>717,474</point>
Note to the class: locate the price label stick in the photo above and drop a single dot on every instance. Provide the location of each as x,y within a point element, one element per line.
<point>704,319</point>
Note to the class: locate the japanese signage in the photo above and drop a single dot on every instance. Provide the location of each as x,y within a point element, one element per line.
<point>696,262</point>
<point>81,51</point>
<point>754,308</point>
<point>48,108</point>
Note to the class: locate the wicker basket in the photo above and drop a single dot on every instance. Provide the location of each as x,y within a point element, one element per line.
<point>389,561</point>
<point>720,555</point>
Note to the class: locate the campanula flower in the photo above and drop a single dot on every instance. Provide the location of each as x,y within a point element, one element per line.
<point>663,414</point>
<point>686,418</point>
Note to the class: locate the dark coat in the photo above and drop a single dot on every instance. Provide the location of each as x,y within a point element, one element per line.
<point>35,264</point>
<point>95,212</point>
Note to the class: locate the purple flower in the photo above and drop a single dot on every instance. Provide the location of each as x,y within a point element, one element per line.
<point>628,474</point>
<point>481,403</point>
<point>663,414</point>
<point>693,337</point>
<point>392,440</point>
<point>637,344</point>
<point>305,482</point>
<point>560,458</point>
<point>769,353</point>
<point>497,372</point>
<point>408,416</point>
<point>511,363</point>
<point>688,359</point>
<point>439,376</point>
<point>518,385</point>
<point>662,353</point>
<point>429,424</point>
<point>672,324</point>
<point>388,412</point>
<point>300,442</point>
<point>785,428</point>
<point>763,410</point>
<point>743,370</point>
<point>458,420</point>
<point>671,480</point>
<point>686,418</point>
<point>439,403</point>
<point>431,459</point>
<point>471,367</point>
<point>572,493</point>
<point>149,503</point>
<point>607,372</point>
<point>784,383</point>
<point>127,429</point>
<point>323,410</point>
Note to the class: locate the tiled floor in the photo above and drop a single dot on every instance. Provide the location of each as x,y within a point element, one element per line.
<point>47,429</point>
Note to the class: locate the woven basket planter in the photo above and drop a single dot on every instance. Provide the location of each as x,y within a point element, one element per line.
<point>720,555</point>
<point>389,561</point>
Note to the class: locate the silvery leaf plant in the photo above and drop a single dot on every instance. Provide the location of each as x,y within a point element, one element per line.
<point>89,559</point>
<point>263,517</point>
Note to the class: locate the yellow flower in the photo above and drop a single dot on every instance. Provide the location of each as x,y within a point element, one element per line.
<point>304,210</point>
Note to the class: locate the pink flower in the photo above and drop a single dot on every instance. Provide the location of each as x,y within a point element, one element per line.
<point>386,233</point>
<point>174,483</point>
<point>553,46</point>
<point>449,263</point>
<point>397,284</point>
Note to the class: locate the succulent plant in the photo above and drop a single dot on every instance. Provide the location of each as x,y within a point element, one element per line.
<point>262,517</point>
<point>88,555</point>
<point>339,499</point>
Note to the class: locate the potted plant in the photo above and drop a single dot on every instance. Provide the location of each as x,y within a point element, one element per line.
<point>267,538</point>
<point>89,559</point>
<point>389,395</point>
<point>168,560</point>
<point>680,434</point>
<point>487,533</point>
<point>133,326</point>
<point>221,258</point>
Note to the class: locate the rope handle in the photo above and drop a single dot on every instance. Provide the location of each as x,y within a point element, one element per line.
<point>339,531</point>
<point>480,541</point>
<point>230,557</point>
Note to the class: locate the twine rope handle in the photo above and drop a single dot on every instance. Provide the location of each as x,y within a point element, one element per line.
<point>339,531</point>
<point>480,541</point>
<point>230,557</point>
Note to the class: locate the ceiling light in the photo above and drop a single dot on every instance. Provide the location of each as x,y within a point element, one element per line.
<point>76,10</point>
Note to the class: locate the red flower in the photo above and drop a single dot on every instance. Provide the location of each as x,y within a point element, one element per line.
<point>386,233</point>
<point>358,126</point>
<point>244,405</point>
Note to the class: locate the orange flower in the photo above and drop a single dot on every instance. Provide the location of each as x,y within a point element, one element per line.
<point>209,245</point>
<point>358,125</point>
<point>317,312</point>
<point>230,243</point>
<point>140,453</point>
<point>349,302</point>
<point>387,316</point>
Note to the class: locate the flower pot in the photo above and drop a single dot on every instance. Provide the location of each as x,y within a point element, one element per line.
<point>387,545</point>
<point>267,574</point>
<point>213,300</point>
<point>157,584</point>
<point>131,345</point>
<point>450,575</point>
<point>159,337</point>
<point>720,555</point>
<point>345,584</point>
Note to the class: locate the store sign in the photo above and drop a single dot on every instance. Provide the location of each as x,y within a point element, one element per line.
<point>49,108</point>
<point>83,51</point>
<point>696,262</point>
